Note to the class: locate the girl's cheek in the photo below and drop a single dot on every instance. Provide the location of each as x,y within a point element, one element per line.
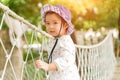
<point>47,29</point>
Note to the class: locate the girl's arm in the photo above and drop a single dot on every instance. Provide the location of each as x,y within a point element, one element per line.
<point>45,66</point>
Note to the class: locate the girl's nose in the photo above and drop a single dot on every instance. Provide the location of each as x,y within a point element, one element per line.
<point>51,26</point>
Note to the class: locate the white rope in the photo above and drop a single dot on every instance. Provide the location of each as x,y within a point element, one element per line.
<point>11,23</point>
<point>5,8</point>
<point>8,58</point>
<point>95,62</point>
<point>40,48</point>
<point>96,45</point>
<point>2,21</point>
<point>28,52</point>
<point>22,70</point>
<point>14,42</point>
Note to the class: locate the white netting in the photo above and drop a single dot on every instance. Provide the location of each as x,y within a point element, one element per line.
<point>97,62</point>
<point>25,44</point>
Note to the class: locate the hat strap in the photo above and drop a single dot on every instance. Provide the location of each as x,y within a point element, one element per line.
<point>50,56</point>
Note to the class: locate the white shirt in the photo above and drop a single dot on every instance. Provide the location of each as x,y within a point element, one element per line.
<point>64,58</point>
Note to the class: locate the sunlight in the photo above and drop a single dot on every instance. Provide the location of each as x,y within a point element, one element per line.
<point>89,4</point>
<point>79,6</point>
<point>39,5</point>
<point>51,0</point>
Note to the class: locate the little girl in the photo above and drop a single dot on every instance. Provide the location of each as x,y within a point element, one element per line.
<point>61,50</point>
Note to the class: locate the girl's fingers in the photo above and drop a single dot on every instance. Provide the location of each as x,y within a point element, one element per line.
<point>37,63</point>
<point>42,65</point>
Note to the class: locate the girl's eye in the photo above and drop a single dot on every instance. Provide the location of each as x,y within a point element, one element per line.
<point>55,22</point>
<point>47,23</point>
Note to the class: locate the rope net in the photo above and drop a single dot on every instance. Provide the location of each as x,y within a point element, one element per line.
<point>96,62</point>
<point>23,44</point>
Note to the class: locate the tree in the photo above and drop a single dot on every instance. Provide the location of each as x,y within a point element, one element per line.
<point>16,58</point>
<point>119,25</point>
<point>118,5</point>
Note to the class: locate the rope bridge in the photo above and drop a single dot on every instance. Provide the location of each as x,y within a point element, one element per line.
<point>25,43</point>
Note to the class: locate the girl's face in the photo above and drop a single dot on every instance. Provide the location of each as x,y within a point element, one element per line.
<point>53,24</point>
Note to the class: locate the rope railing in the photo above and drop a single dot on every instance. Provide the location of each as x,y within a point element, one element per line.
<point>6,9</point>
<point>95,62</point>
<point>14,65</point>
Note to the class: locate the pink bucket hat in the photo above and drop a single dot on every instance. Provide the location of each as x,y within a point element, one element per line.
<point>60,10</point>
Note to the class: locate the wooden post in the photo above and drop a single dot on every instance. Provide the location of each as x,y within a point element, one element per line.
<point>119,25</point>
<point>16,58</point>
<point>118,45</point>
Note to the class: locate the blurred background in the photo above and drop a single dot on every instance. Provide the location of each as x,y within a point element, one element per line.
<point>92,19</point>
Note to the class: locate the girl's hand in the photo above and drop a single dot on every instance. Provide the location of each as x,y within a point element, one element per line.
<point>42,65</point>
